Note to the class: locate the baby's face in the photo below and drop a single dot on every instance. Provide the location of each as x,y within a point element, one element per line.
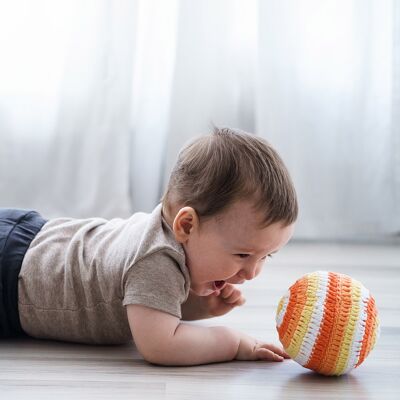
<point>230,248</point>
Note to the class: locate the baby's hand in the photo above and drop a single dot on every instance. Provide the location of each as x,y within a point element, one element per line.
<point>251,349</point>
<point>216,304</point>
<point>225,300</point>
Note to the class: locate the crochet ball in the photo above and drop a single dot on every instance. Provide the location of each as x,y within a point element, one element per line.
<point>327,322</point>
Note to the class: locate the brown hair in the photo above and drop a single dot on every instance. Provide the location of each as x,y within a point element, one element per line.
<point>214,171</point>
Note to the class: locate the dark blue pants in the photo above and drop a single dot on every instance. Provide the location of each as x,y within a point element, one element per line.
<point>17,230</point>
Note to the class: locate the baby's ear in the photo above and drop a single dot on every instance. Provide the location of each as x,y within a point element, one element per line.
<point>186,220</point>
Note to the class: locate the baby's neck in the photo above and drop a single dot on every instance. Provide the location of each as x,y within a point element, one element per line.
<point>167,216</point>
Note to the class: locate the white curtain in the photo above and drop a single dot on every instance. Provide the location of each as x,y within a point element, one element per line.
<point>97,97</point>
<point>65,77</point>
<point>328,99</point>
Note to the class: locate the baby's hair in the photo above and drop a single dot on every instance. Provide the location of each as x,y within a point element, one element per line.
<point>214,171</point>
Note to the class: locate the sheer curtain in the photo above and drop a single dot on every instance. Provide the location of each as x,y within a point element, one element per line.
<point>328,98</point>
<point>97,97</point>
<point>65,78</point>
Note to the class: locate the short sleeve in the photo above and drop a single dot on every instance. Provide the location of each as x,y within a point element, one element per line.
<point>156,281</point>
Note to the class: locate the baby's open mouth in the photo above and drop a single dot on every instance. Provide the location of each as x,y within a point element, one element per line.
<point>219,284</point>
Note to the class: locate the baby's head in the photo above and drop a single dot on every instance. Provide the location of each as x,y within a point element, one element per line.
<point>231,203</point>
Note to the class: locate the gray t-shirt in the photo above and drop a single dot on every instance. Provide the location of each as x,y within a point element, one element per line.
<point>78,274</point>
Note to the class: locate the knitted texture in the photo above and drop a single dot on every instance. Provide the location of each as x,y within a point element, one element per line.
<point>328,322</point>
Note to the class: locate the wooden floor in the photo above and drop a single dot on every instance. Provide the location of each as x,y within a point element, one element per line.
<point>33,369</point>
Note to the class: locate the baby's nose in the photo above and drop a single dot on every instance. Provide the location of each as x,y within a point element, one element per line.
<point>248,273</point>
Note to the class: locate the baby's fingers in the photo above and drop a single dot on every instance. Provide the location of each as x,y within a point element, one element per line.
<point>231,295</point>
<point>278,350</point>
<point>267,355</point>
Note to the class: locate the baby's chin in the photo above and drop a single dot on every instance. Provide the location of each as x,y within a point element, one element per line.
<point>205,289</point>
<point>202,290</point>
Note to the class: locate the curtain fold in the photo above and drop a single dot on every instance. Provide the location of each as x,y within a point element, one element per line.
<point>153,70</point>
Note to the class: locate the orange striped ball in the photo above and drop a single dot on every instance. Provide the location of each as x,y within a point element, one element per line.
<point>328,322</point>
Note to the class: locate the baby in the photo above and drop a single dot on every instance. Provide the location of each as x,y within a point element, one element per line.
<point>229,205</point>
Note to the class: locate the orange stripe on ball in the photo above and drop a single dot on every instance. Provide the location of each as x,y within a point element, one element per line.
<point>293,312</point>
<point>343,299</point>
<point>370,324</point>
<point>324,336</point>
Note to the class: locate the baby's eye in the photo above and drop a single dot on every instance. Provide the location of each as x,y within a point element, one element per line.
<point>242,255</point>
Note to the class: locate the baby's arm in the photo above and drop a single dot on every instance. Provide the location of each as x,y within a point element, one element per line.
<point>162,339</point>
